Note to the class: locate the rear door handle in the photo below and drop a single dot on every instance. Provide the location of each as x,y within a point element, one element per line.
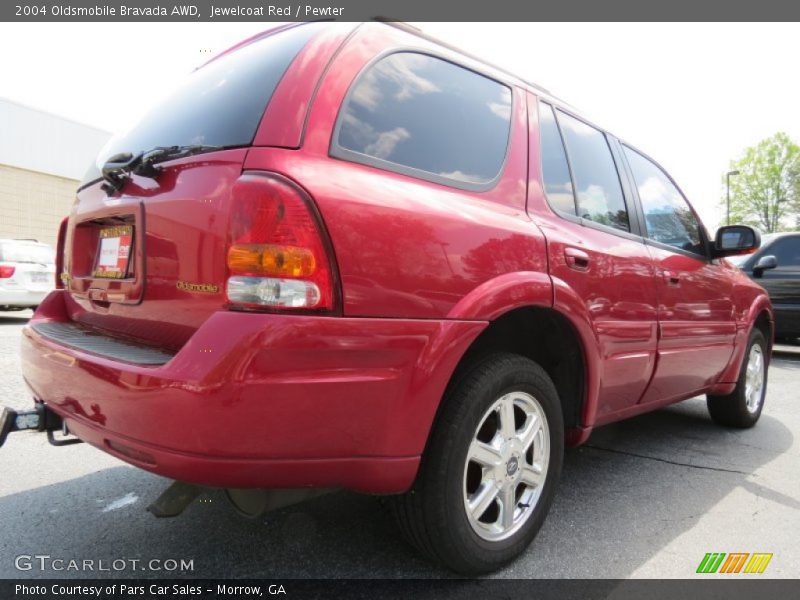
<point>577,259</point>
<point>671,277</point>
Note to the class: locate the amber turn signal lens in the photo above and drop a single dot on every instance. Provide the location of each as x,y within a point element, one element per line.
<point>271,259</point>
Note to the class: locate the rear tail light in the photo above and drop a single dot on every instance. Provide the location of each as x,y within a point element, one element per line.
<point>277,257</point>
<point>62,235</point>
<point>6,271</point>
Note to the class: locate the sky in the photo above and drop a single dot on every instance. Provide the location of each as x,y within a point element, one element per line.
<point>692,96</point>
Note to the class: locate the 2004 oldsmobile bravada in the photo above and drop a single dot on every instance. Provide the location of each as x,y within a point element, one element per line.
<point>348,256</point>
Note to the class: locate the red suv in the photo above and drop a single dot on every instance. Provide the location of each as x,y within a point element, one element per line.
<point>347,256</point>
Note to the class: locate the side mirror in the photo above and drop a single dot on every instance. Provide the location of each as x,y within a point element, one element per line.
<point>768,261</point>
<point>736,239</point>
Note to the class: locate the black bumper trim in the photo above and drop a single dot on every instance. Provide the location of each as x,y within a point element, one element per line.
<point>87,340</point>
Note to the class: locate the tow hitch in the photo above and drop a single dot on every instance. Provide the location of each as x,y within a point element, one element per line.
<point>40,419</point>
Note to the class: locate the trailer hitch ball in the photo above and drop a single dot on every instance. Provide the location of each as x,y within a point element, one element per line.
<point>40,418</point>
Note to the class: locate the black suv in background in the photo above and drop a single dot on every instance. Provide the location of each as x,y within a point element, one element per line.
<point>776,266</point>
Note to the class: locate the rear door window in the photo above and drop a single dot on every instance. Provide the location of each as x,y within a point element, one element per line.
<point>599,192</point>
<point>426,117</point>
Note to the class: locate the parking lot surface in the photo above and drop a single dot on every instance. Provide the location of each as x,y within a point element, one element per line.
<point>647,497</point>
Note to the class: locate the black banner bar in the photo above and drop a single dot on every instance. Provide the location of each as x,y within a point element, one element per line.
<point>403,10</point>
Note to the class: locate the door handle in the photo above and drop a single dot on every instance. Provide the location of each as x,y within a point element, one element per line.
<point>671,277</point>
<point>576,259</point>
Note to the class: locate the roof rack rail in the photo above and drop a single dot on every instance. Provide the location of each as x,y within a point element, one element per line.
<point>403,26</point>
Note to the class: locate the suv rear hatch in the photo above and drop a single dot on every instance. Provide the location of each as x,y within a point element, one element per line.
<point>147,261</point>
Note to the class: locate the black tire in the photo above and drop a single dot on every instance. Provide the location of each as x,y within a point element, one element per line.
<point>433,515</point>
<point>732,410</point>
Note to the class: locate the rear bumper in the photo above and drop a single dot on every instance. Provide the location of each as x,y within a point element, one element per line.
<point>259,400</point>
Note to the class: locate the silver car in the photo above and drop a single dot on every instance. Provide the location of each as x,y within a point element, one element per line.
<point>27,273</point>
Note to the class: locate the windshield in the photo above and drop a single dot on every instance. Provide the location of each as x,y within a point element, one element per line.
<point>21,252</point>
<point>219,104</point>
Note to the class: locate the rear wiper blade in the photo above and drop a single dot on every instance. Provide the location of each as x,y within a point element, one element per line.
<point>164,153</point>
<point>117,169</point>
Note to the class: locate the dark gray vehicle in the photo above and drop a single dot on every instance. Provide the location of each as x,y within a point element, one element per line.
<point>776,267</point>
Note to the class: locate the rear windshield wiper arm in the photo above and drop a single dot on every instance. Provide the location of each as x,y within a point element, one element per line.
<point>117,169</point>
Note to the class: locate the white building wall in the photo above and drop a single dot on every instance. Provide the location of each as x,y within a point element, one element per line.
<point>43,157</point>
<point>39,141</point>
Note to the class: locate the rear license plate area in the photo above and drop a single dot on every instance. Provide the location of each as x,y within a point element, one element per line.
<point>113,255</point>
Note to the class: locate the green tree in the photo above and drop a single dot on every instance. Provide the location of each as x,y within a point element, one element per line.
<point>766,192</point>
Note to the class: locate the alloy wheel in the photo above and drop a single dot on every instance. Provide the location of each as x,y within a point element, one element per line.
<point>754,379</point>
<point>506,466</point>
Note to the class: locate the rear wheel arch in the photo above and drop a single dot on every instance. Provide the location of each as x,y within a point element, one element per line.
<point>545,336</point>
<point>478,502</point>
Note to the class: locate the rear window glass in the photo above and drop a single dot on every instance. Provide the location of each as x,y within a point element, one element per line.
<point>423,116</point>
<point>21,252</point>
<point>220,104</point>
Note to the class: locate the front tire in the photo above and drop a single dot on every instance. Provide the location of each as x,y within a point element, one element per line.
<point>489,474</point>
<point>742,407</point>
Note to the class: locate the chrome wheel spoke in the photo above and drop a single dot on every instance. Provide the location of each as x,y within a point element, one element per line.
<point>528,432</point>
<point>483,499</point>
<point>506,413</point>
<point>508,505</point>
<point>532,476</point>
<point>484,454</point>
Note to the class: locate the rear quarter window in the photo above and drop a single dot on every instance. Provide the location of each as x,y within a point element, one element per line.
<point>426,117</point>
<point>555,168</point>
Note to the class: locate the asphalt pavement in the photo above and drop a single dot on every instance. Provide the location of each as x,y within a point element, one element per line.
<point>647,497</point>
